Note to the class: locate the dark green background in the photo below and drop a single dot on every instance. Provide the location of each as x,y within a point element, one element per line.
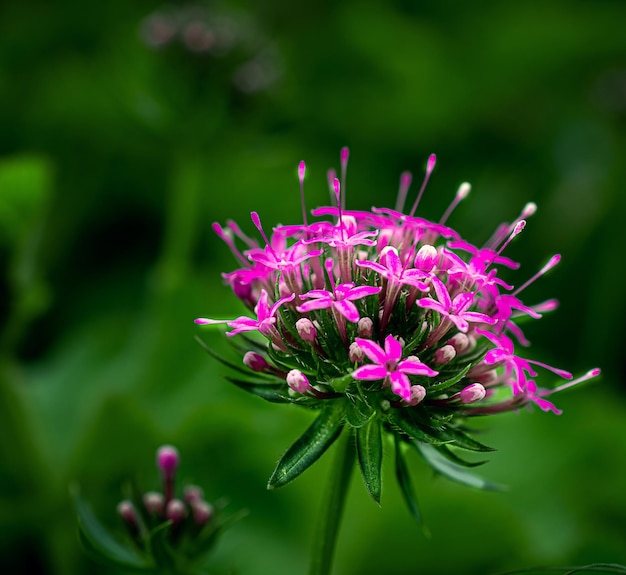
<point>115,158</point>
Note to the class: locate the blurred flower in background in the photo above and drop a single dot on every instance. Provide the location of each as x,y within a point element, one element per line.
<point>169,531</point>
<point>213,33</point>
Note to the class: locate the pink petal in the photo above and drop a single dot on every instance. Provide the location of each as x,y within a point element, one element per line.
<point>416,368</point>
<point>372,350</point>
<point>321,303</point>
<point>348,310</point>
<point>393,349</point>
<point>370,372</point>
<point>400,385</point>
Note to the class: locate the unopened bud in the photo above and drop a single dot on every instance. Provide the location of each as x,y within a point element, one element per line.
<point>460,342</point>
<point>472,393</point>
<point>255,361</point>
<point>355,353</point>
<point>297,381</point>
<point>445,354</point>
<point>202,512</point>
<point>488,377</point>
<point>167,460</point>
<point>192,494</point>
<point>126,510</point>
<point>365,327</point>
<point>418,393</point>
<point>426,258</point>
<point>306,329</point>
<point>283,290</point>
<point>176,511</point>
<point>154,502</point>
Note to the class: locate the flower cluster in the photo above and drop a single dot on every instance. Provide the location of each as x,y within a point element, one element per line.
<point>167,533</point>
<point>385,321</point>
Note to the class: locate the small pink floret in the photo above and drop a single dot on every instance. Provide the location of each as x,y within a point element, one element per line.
<point>297,381</point>
<point>473,393</point>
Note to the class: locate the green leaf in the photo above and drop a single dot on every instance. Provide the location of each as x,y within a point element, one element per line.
<point>459,439</point>
<point>268,391</point>
<point>452,471</point>
<point>443,385</point>
<point>99,543</point>
<point>402,419</point>
<point>160,549</point>
<point>232,365</point>
<point>311,445</point>
<point>359,412</point>
<point>404,481</point>
<point>369,449</point>
<point>451,456</point>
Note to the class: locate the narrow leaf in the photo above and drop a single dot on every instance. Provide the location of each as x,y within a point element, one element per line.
<point>402,420</point>
<point>443,385</point>
<point>100,544</point>
<point>459,439</point>
<point>450,455</point>
<point>269,391</point>
<point>311,445</point>
<point>404,481</point>
<point>369,449</point>
<point>452,471</point>
<point>159,546</point>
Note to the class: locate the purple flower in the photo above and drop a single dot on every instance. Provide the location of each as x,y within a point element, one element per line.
<point>388,365</point>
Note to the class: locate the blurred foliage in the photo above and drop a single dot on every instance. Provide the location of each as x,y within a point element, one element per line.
<point>123,139</point>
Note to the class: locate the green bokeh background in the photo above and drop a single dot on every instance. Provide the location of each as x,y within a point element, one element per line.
<point>116,157</point>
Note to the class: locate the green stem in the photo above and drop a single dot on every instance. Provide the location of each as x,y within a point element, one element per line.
<point>326,530</point>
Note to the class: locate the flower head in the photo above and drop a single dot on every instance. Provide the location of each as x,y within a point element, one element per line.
<point>400,325</point>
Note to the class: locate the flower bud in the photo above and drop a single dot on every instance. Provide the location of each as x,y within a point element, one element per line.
<point>192,494</point>
<point>297,381</point>
<point>418,393</point>
<point>202,512</point>
<point>472,393</point>
<point>255,361</point>
<point>154,502</point>
<point>488,378</point>
<point>445,354</point>
<point>126,510</point>
<point>355,353</point>
<point>167,460</point>
<point>306,329</point>
<point>176,511</point>
<point>365,327</point>
<point>426,258</point>
<point>460,342</point>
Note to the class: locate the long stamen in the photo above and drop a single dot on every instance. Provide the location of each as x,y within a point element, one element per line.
<point>461,194</point>
<point>405,184</point>
<point>589,375</point>
<point>432,159</point>
<point>329,264</point>
<point>239,233</point>
<point>301,172</point>
<point>517,229</point>
<point>344,155</point>
<point>339,198</point>
<point>331,176</point>
<point>227,237</point>
<point>555,259</point>
<point>257,223</point>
